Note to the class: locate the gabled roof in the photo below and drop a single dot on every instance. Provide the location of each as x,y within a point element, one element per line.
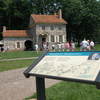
<point>48,19</point>
<point>15,33</point>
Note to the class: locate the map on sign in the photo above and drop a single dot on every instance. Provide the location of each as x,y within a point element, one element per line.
<point>65,66</point>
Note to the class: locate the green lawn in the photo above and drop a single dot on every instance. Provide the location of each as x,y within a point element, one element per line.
<point>18,54</point>
<point>8,65</point>
<point>71,91</point>
<point>97,47</point>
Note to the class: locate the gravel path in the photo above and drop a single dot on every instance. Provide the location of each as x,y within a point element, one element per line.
<point>14,86</point>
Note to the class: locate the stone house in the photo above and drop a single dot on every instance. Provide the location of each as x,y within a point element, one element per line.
<point>49,29</point>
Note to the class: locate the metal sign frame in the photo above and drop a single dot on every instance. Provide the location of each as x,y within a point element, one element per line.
<point>40,79</point>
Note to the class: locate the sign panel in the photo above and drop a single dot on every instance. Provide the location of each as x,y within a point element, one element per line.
<point>73,65</point>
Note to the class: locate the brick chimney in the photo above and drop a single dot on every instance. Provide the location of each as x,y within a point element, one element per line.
<point>60,14</point>
<point>4,28</point>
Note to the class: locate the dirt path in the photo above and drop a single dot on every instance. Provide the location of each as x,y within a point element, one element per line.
<point>14,86</point>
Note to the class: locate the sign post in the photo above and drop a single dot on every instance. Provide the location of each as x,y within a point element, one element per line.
<point>40,86</point>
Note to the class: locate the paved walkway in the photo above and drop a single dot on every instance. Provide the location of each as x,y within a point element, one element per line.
<point>14,86</point>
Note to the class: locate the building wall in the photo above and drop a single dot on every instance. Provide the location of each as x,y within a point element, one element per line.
<point>12,43</point>
<point>57,31</point>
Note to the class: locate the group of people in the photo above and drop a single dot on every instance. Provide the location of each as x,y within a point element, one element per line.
<point>67,46</point>
<point>87,45</point>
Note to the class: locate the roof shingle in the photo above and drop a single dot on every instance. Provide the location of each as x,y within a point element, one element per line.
<point>48,19</point>
<point>15,33</point>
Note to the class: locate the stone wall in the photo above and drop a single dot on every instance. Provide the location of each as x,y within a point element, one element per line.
<point>11,43</point>
<point>58,29</point>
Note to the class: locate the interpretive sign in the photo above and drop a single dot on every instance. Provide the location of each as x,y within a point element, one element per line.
<point>70,66</point>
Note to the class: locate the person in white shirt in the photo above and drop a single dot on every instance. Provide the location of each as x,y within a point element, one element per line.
<point>91,45</point>
<point>36,47</point>
<point>88,46</point>
<point>59,46</point>
<point>84,45</point>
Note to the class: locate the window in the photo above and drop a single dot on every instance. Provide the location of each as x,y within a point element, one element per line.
<point>60,28</point>
<point>43,27</point>
<point>52,38</point>
<point>18,44</point>
<point>52,28</point>
<point>60,38</point>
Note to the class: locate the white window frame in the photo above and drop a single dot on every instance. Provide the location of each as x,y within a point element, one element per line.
<point>54,38</point>
<point>17,45</point>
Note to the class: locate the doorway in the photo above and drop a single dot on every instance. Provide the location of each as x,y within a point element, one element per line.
<point>43,39</point>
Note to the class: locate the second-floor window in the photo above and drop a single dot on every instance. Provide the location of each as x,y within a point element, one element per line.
<point>60,28</point>
<point>43,27</point>
<point>52,28</point>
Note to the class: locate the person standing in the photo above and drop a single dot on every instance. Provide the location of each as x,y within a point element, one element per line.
<point>67,46</point>
<point>84,44</point>
<point>92,45</point>
<point>72,46</point>
<point>44,46</point>
<point>88,46</point>
<point>59,46</point>
<point>36,47</point>
<point>53,47</point>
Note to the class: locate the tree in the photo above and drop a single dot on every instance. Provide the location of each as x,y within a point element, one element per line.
<point>15,13</point>
<point>83,18</point>
<point>46,6</point>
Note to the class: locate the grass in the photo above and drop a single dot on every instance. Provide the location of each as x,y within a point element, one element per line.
<point>25,54</point>
<point>71,91</point>
<point>9,65</point>
<point>97,47</point>
<point>19,54</point>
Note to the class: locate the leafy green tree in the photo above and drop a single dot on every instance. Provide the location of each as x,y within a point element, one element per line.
<point>15,13</point>
<point>83,18</point>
